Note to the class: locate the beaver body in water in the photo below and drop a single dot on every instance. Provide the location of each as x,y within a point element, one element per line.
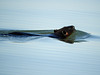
<point>59,33</point>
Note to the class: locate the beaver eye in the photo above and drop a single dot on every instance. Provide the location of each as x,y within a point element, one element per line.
<point>63,32</point>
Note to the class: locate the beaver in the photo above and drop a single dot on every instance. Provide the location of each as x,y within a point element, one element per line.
<point>64,32</point>
<point>59,33</point>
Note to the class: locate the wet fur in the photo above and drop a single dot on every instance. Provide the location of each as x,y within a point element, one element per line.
<point>60,33</point>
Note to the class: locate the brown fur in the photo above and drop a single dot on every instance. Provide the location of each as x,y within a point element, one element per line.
<point>62,32</point>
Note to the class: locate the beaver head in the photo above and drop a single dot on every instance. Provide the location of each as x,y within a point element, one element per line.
<point>64,32</point>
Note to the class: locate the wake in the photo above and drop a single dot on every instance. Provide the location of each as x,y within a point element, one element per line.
<point>77,36</point>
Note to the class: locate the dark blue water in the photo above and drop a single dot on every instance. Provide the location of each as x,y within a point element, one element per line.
<point>45,55</point>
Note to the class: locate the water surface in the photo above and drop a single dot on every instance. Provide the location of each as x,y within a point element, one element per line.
<point>49,56</point>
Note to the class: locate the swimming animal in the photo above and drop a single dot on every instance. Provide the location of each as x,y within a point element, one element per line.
<point>59,33</point>
<point>64,32</point>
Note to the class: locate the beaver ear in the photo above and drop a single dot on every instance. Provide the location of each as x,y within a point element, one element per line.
<point>55,30</point>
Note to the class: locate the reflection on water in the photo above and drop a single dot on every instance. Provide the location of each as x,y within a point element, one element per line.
<point>28,35</point>
<point>50,57</point>
<point>44,55</point>
<point>47,56</point>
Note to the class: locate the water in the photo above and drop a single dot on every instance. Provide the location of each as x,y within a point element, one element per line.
<point>44,55</point>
